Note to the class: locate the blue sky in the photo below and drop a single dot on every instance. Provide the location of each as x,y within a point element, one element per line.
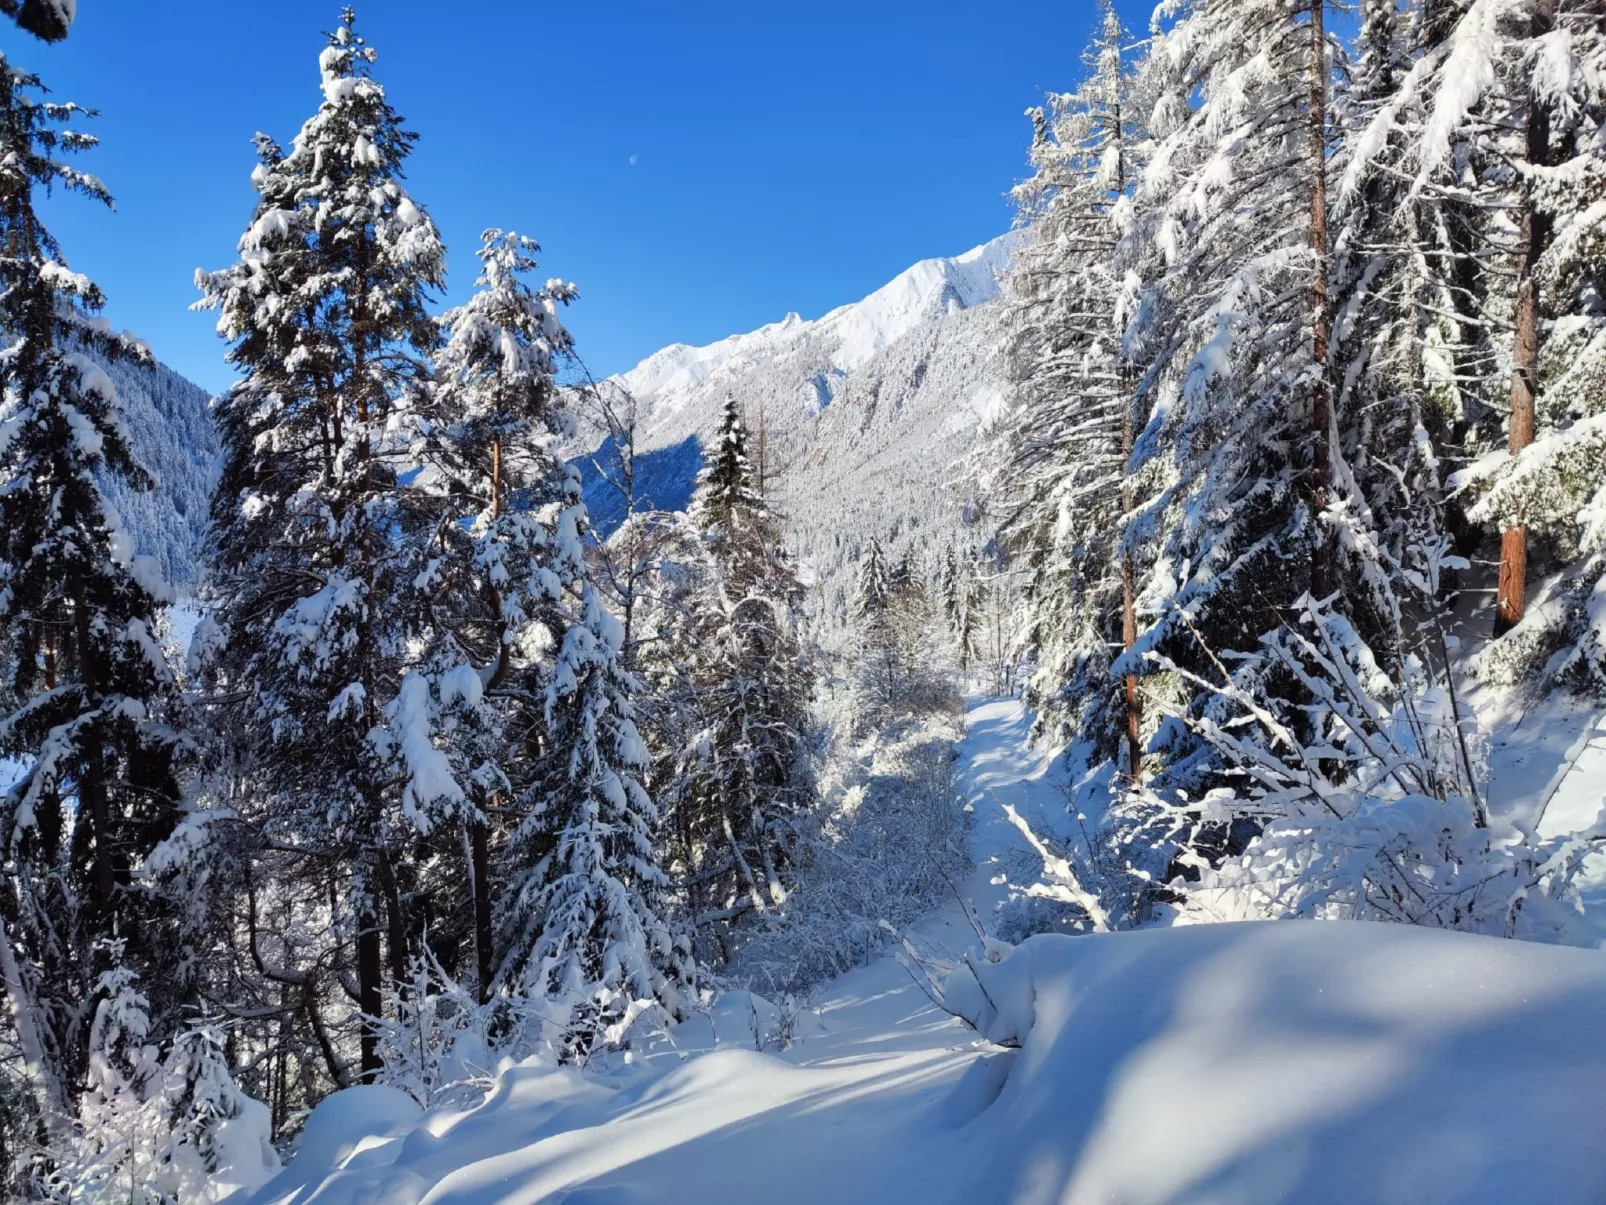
<point>696,168</point>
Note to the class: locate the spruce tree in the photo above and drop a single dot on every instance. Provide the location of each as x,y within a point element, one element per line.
<point>875,618</point>
<point>321,572</point>
<point>1391,411</point>
<point>48,20</point>
<point>1556,486</point>
<point>1230,342</point>
<point>87,693</point>
<point>584,920</point>
<point>745,783</point>
<point>1064,483</point>
<point>498,425</point>
<point>571,910</point>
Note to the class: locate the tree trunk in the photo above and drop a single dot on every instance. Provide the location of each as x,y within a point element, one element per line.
<point>504,656</point>
<point>479,856</point>
<point>479,870</point>
<point>370,979</point>
<point>1129,611</point>
<point>30,1043</point>
<point>1321,410</point>
<point>395,920</point>
<point>92,790</point>
<point>1511,600</point>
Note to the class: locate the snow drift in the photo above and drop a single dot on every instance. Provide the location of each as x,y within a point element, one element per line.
<point>1293,1061</point>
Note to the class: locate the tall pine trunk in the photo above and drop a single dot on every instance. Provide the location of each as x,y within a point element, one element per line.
<point>479,858</point>
<point>1129,608</point>
<point>1511,599</point>
<point>370,985</point>
<point>479,834</point>
<point>1321,411</point>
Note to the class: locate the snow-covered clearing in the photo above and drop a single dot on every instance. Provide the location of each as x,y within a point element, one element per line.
<point>1295,1061</point>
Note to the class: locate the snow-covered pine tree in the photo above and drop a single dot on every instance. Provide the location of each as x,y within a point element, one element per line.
<point>1230,339</point>
<point>48,20</point>
<point>874,617</point>
<point>87,694</point>
<point>584,920</point>
<point>1557,486</point>
<point>574,902</point>
<point>1064,483</point>
<point>1480,127</point>
<point>1347,681</point>
<point>321,564</point>
<point>948,587</point>
<point>154,1128</point>
<point>1434,162</point>
<point>745,779</point>
<point>662,560</point>
<point>1392,414</point>
<point>967,631</point>
<point>498,426</point>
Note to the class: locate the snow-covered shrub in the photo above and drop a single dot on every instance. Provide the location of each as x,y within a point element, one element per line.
<point>441,1045</point>
<point>155,1127</point>
<point>1370,810</point>
<point>1069,885</point>
<point>893,843</point>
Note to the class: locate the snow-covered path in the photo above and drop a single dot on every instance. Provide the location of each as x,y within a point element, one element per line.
<point>852,1111</point>
<point>1318,1062</point>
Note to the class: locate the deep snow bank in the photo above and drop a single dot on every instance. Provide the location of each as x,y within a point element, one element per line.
<point>1294,1061</point>
<point>1298,1061</point>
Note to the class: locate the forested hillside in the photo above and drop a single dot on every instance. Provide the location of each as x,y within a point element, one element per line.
<point>170,420</point>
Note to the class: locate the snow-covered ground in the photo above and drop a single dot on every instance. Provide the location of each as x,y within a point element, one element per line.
<point>1296,1061</point>
<point>1547,772</point>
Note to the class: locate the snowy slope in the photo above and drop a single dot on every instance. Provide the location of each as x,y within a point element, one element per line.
<point>175,440</point>
<point>870,411</point>
<point>1297,1061</point>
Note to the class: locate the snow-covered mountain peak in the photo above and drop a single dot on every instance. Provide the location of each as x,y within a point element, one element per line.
<point>846,338</point>
<point>915,295</point>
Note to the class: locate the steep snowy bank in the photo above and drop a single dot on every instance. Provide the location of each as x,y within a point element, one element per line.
<point>1262,1062</point>
<point>1296,1061</point>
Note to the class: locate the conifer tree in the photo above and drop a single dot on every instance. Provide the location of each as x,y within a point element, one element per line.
<point>875,615</point>
<point>1556,485</point>
<point>584,920</point>
<point>1065,482</point>
<point>47,20</point>
<point>746,784</point>
<point>1230,337</point>
<point>1390,415</point>
<point>86,702</point>
<point>948,587</point>
<point>971,602</point>
<point>321,563</point>
<point>498,426</point>
<point>572,910</point>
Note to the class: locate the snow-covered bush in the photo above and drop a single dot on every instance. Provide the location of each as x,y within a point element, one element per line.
<point>893,845</point>
<point>157,1127</point>
<point>1371,809</point>
<point>441,1046</point>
